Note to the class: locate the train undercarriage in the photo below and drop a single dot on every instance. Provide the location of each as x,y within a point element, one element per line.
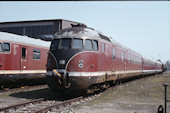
<point>19,80</point>
<point>90,84</point>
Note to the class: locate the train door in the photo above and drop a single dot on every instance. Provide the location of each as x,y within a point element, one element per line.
<point>142,65</point>
<point>24,58</point>
<point>1,56</point>
<point>125,61</point>
<point>114,59</point>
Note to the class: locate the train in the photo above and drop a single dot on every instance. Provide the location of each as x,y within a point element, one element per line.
<point>81,57</point>
<point>22,59</point>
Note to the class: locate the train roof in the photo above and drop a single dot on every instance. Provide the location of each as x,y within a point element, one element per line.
<point>84,31</point>
<point>124,47</point>
<point>155,61</point>
<point>4,36</point>
<point>79,32</point>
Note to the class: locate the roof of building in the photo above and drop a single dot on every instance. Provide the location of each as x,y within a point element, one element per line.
<point>47,20</point>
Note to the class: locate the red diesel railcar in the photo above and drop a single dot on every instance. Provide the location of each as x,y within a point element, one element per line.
<point>81,57</point>
<point>21,58</point>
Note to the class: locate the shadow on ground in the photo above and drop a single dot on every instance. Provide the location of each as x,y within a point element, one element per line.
<point>36,94</point>
<point>45,93</point>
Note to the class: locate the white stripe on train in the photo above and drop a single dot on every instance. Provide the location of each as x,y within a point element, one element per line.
<point>110,72</point>
<point>21,71</point>
<point>101,73</point>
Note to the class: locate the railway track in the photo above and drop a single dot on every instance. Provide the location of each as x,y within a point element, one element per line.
<point>7,109</point>
<point>42,105</point>
<point>6,90</point>
<point>39,106</point>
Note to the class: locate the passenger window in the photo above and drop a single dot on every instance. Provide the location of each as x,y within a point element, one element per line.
<point>77,43</point>
<point>54,44</point>
<point>122,57</point>
<point>136,60</point>
<point>113,53</point>
<point>65,43</point>
<point>1,49</point>
<point>133,60</point>
<point>23,52</point>
<point>6,47</point>
<point>129,58</point>
<point>103,47</point>
<point>88,44</point>
<point>36,54</point>
<point>95,45</point>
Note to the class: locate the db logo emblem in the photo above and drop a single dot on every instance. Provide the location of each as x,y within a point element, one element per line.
<point>80,65</point>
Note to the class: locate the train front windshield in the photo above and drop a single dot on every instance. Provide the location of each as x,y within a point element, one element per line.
<point>67,43</point>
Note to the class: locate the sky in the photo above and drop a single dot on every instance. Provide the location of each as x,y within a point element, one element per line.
<point>143,26</point>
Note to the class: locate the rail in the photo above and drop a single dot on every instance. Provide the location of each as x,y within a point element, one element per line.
<point>58,105</point>
<point>48,108</point>
<point>5,90</point>
<point>19,105</point>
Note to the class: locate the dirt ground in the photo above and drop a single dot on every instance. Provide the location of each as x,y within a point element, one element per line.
<point>141,96</point>
<point>24,95</point>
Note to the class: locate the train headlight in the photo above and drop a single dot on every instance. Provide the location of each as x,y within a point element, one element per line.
<point>62,62</point>
<point>80,65</point>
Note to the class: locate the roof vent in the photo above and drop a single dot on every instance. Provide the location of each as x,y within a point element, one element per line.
<point>78,25</point>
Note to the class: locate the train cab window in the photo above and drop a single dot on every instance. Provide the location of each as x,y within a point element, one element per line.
<point>36,54</point>
<point>23,52</point>
<point>6,47</point>
<point>88,44</point>
<point>77,44</point>
<point>54,44</point>
<point>95,45</point>
<point>65,43</point>
<point>113,53</point>
<point>103,47</point>
<point>1,49</point>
